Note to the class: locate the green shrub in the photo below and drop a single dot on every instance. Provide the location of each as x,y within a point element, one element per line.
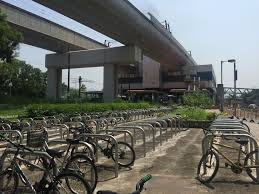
<point>36,110</point>
<point>197,99</point>
<point>194,113</point>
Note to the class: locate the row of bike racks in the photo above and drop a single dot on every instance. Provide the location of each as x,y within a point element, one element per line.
<point>231,128</point>
<point>104,130</point>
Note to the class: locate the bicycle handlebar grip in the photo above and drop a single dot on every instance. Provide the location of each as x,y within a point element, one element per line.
<point>142,181</point>
<point>146,178</point>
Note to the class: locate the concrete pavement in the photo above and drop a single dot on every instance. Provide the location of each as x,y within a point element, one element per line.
<point>173,167</point>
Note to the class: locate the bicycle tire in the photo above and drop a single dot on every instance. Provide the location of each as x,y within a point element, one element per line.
<point>4,176</point>
<point>200,166</point>
<point>83,160</point>
<point>249,170</point>
<point>121,154</point>
<point>62,180</point>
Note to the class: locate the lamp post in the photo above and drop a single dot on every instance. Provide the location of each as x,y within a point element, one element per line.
<point>222,71</point>
<point>235,85</point>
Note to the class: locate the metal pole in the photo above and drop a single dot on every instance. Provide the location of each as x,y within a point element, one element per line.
<point>68,76</point>
<point>221,72</point>
<point>235,92</point>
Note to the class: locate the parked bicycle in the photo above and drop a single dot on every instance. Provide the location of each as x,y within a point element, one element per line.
<point>139,186</point>
<point>209,163</point>
<point>59,182</point>
<point>68,159</point>
<point>126,153</point>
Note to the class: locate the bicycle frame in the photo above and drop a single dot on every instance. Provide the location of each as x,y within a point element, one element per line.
<point>15,167</point>
<point>231,162</point>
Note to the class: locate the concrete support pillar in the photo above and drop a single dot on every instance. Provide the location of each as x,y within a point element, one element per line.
<point>220,95</point>
<point>54,83</point>
<point>110,82</point>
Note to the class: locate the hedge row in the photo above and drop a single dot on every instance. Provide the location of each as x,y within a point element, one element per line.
<point>37,110</point>
<point>194,113</point>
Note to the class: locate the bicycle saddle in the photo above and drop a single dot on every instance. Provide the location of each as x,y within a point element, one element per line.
<point>242,141</point>
<point>55,153</point>
<point>73,141</point>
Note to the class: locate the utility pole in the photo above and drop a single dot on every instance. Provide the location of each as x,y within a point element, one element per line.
<point>80,85</point>
<point>68,76</point>
<point>235,86</point>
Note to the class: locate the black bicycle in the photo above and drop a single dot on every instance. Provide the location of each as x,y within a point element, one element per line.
<point>139,186</point>
<point>58,182</point>
<point>126,153</point>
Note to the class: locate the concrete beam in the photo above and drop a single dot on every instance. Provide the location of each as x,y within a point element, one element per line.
<point>120,20</point>
<point>93,58</point>
<point>42,33</point>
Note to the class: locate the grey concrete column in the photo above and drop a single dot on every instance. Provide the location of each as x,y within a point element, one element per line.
<point>220,96</point>
<point>54,83</point>
<point>110,82</point>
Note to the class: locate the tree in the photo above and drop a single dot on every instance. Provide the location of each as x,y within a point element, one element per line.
<point>26,80</point>
<point>9,40</point>
<point>197,99</point>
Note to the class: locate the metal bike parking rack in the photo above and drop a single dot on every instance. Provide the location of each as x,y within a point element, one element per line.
<point>230,124</point>
<point>134,134</point>
<point>206,140</point>
<point>125,132</point>
<point>165,127</point>
<point>170,120</point>
<point>61,128</point>
<point>120,120</point>
<point>234,131</point>
<point>173,120</point>
<point>10,132</point>
<point>143,124</point>
<point>5,126</point>
<point>26,152</point>
<point>227,130</point>
<point>85,144</point>
<point>69,124</point>
<point>39,123</point>
<point>102,136</point>
<point>92,121</point>
<point>157,125</point>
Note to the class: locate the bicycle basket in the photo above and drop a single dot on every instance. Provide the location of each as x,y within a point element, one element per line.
<point>36,138</point>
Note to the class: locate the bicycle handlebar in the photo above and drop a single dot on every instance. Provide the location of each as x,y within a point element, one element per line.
<point>139,186</point>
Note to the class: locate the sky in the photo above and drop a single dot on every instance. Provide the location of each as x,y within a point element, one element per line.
<point>213,30</point>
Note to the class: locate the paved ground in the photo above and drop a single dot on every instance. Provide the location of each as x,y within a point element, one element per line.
<point>173,167</point>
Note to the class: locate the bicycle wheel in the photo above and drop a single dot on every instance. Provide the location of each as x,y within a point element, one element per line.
<point>84,166</point>
<point>208,167</point>
<point>252,164</point>
<point>8,182</point>
<point>126,154</point>
<point>69,182</point>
